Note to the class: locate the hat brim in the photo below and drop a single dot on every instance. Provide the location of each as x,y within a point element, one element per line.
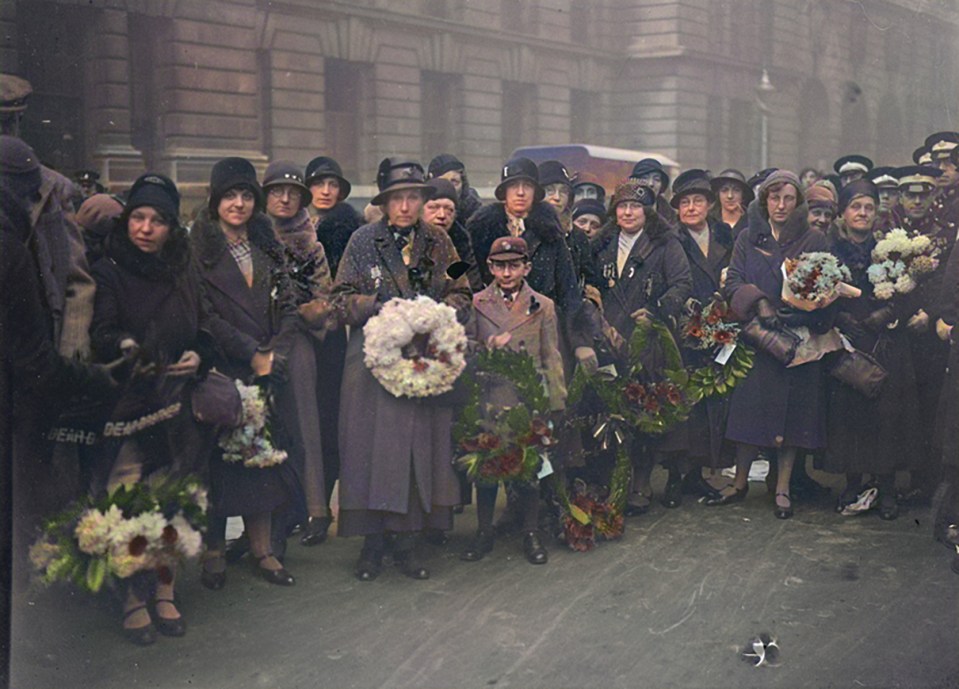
<point>380,198</point>
<point>500,191</point>
<point>708,193</point>
<point>508,256</point>
<point>345,186</point>
<point>716,182</point>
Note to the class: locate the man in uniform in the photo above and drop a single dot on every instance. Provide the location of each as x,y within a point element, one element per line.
<point>889,211</point>
<point>852,167</point>
<point>89,183</point>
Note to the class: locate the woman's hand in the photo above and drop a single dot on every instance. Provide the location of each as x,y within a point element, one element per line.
<point>919,322</point>
<point>641,316</point>
<point>262,363</point>
<point>188,365</point>
<point>499,341</point>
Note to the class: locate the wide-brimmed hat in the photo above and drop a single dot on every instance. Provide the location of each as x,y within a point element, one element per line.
<point>515,170</point>
<point>731,176</point>
<point>631,190</point>
<point>230,173</point>
<point>853,163</point>
<point>323,166</point>
<point>397,174</point>
<point>647,165</point>
<point>694,181</point>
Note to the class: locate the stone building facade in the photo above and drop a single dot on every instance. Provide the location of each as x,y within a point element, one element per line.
<point>174,85</point>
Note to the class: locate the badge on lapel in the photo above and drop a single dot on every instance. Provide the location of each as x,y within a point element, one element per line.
<point>376,275</point>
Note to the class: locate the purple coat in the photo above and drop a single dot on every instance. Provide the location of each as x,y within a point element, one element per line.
<point>774,406</point>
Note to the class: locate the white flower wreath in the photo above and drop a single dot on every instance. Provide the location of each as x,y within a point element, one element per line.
<point>438,359</point>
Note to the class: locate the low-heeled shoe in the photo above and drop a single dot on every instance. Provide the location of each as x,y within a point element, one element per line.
<point>534,550</point>
<point>482,545</point>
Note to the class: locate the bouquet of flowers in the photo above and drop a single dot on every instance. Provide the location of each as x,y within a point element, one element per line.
<point>900,260</point>
<point>252,441</point>
<point>150,525</point>
<point>508,443</point>
<point>415,347</point>
<point>712,327</point>
<point>814,280</point>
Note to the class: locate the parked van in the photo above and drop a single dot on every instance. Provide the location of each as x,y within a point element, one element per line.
<point>610,165</point>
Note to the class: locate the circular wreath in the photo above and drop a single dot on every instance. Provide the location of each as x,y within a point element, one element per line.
<point>415,347</point>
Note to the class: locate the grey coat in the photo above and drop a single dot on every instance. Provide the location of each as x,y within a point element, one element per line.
<point>390,446</point>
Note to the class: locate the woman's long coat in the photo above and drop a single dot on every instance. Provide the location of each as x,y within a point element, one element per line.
<point>392,449</point>
<point>707,421</point>
<point>876,436</point>
<point>775,406</point>
<point>261,316</point>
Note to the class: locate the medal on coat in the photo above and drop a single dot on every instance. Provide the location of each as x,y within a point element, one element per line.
<point>609,272</point>
<point>376,275</point>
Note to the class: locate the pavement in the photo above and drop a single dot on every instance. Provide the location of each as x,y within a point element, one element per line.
<point>850,601</point>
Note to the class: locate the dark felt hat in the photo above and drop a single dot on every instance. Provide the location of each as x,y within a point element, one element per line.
<point>231,173</point>
<point>14,93</point>
<point>647,165</point>
<point>19,167</point>
<point>508,249</point>
<point>396,174</point>
<point>515,170</point>
<point>157,191</point>
<point>587,179</point>
<point>443,163</point>
<point>554,172</point>
<point>731,176</point>
<point>589,207</point>
<point>323,166</point>
<point>694,181</point>
<point>442,189</point>
<point>286,172</point>
<point>855,189</point>
<point>89,176</point>
<point>852,163</point>
<point>760,176</point>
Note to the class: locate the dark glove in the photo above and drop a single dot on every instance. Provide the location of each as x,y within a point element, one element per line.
<point>878,319</point>
<point>767,315</point>
<point>280,373</point>
<point>849,326</point>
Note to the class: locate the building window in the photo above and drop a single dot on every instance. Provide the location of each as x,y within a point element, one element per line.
<point>345,82</point>
<point>518,116</point>
<point>439,114</point>
<point>52,36</point>
<point>581,113</point>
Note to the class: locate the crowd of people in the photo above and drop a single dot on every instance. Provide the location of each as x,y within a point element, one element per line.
<point>273,279</point>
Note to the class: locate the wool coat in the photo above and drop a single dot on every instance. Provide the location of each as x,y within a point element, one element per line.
<point>707,421</point>
<point>260,317</point>
<point>876,436</point>
<point>552,275</point>
<point>533,327</point>
<point>395,452</point>
<point>775,406</point>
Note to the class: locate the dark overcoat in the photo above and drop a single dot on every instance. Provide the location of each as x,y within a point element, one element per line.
<point>707,421</point>
<point>948,417</point>
<point>395,452</point>
<point>263,316</point>
<point>876,436</point>
<point>334,231</point>
<point>775,406</point>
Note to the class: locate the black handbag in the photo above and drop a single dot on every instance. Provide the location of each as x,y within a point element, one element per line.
<point>216,401</point>
<point>779,344</point>
<point>860,371</point>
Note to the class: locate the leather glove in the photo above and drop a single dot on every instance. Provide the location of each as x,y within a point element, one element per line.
<point>878,319</point>
<point>849,326</point>
<point>586,356</point>
<point>767,315</point>
<point>280,373</point>
<point>919,322</point>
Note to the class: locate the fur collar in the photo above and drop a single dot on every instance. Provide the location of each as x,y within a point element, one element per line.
<point>163,266</point>
<point>340,216</point>
<point>489,223</point>
<point>209,242</point>
<point>760,232</point>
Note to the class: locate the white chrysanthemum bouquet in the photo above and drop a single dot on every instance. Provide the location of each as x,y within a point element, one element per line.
<point>900,260</point>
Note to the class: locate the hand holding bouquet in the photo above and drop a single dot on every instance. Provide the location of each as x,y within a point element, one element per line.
<point>815,280</point>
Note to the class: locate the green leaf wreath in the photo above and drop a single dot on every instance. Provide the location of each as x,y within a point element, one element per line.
<point>505,444</point>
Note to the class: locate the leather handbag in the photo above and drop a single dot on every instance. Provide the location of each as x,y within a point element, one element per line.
<point>779,344</point>
<point>860,371</point>
<point>216,401</point>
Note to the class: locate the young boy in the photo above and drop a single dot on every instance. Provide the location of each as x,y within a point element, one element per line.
<point>510,314</point>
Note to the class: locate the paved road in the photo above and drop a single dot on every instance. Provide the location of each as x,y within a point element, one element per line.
<point>853,602</point>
